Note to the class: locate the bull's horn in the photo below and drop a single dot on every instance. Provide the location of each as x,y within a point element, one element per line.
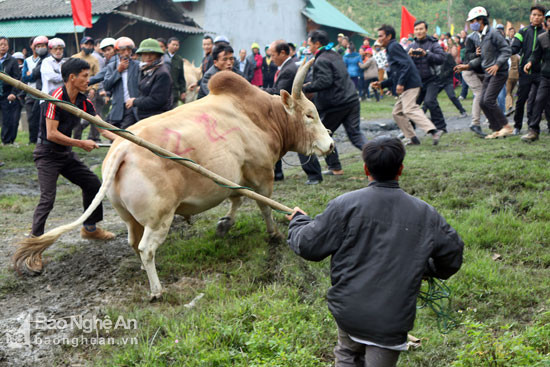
<point>299,79</point>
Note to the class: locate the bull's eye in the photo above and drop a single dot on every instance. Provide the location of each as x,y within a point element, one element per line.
<point>310,117</point>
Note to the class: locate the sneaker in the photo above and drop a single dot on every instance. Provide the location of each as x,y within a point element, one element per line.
<point>463,114</point>
<point>331,172</point>
<point>516,131</point>
<point>98,234</point>
<point>530,137</point>
<point>436,136</point>
<point>313,182</point>
<point>507,130</point>
<point>412,141</point>
<point>477,129</point>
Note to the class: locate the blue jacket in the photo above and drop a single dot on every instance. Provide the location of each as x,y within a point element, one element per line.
<point>403,70</point>
<point>352,61</point>
<point>113,83</point>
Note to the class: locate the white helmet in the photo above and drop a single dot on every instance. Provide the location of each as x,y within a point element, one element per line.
<point>478,11</point>
<point>123,42</point>
<point>18,56</point>
<point>106,42</point>
<point>56,42</point>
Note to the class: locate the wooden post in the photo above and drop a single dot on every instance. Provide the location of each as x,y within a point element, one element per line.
<point>76,40</point>
<point>147,145</point>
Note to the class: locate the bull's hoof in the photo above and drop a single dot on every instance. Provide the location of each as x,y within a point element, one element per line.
<point>224,225</point>
<point>156,297</point>
<point>276,238</point>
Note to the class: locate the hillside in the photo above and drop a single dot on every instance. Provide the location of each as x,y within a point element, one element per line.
<point>370,14</point>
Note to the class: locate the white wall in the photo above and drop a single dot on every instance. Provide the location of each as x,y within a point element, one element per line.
<point>246,21</point>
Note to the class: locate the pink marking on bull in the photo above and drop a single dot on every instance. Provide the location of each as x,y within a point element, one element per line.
<point>179,138</point>
<point>210,126</point>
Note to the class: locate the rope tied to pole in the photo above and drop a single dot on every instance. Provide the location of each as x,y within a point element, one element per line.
<point>438,298</point>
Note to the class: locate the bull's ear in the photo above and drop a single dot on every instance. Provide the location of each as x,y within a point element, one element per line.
<point>288,101</point>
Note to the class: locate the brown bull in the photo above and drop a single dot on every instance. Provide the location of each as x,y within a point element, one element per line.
<point>238,132</point>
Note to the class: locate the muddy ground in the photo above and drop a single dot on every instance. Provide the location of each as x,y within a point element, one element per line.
<point>81,278</point>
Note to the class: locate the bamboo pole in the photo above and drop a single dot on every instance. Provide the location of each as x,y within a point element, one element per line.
<point>145,144</point>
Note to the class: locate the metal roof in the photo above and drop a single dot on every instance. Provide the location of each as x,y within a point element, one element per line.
<point>24,9</point>
<point>49,27</point>
<point>321,12</point>
<point>168,25</point>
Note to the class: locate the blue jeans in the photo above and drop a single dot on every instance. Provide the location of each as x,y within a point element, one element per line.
<point>501,99</point>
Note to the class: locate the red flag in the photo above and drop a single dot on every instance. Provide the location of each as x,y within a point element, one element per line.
<point>407,23</point>
<point>82,12</point>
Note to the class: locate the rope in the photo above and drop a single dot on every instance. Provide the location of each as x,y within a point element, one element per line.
<point>298,165</point>
<point>438,298</point>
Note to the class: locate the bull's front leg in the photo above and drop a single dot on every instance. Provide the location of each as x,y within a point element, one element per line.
<point>272,230</point>
<point>225,223</point>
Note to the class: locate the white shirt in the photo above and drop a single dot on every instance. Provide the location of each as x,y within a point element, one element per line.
<point>51,74</point>
<point>401,347</point>
<point>124,75</point>
<point>283,64</point>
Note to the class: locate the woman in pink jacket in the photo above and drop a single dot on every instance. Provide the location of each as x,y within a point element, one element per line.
<point>258,59</point>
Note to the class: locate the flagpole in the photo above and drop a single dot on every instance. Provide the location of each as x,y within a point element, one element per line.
<point>76,40</point>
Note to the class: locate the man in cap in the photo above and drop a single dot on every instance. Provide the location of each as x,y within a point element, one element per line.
<point>107,47</point>
<point>39,47</point>
<point>121,80</point>
<point>86,54</point>
<point>9,66</point>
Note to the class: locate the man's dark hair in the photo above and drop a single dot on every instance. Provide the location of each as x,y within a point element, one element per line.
<point>282,46</point>
<point>31,41</point>
<point>383,156</point>
<point>540,8</point>
<point>292,46</point>
<point>162,40</point>
<point>172,39</point>
<point>97,42</point>
<point>388,30</point>
<point>208,38</point>
<point>222,47</point>
<point>5,38</point>
<point>418,22</point>
<point>73,66</point>
<point>319,36</point>
<point>352,47</point>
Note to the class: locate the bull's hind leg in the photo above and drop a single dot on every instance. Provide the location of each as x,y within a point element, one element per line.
<point>225,223</point>
<point>151,240</point>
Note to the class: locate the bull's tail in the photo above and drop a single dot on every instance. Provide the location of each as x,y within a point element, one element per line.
<point>29,253</point>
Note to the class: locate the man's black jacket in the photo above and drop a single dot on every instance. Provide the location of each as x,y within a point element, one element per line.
<point>331,81</point>
<point>524,43</point>
<point>10,67</point>
<point>177,73</point>
<point>284,79</point>
<point>541,55</point>
<point>382,241</point>
<point>155,92</point>
<point>472,43</point>
<point>434,56</point>
<point>403,71</point>
<point>445,72</point>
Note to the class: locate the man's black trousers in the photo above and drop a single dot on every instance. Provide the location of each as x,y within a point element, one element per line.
<point>528,85</point>
<point>50,164</point>
<point>9,125</point>
<point>349,115</point>
<point>492,85</point>
<point>428,94</point>
<point>542,103</point>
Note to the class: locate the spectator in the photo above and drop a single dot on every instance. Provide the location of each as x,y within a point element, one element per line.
<point>268,69</point>
<point>86,54</point>
<point>336,101</point>
<point>370,73</point>
<point>513,77</point>
<point>541,55</point>
<point>352,61</point>
<point>8,97</point>
<point>98,53</point>
<point>155,84</point>
<point>258,60</point>
<point>176,71</point>
<point>107,47</point>
<point>445,82</point>
<point>406,78</point>
<point>223,60</point>
<point>380,58</point>
<point>510,35</point>
<point>39,47</point>
<point>207,62</point>
<point>473,75</point>
<point>121,80</point>
<point>494,53</point>
<point>377,264</point>
<point>162,43</point>
<point>246,66</point>
<point>284,77</point>
<point>426,54</point>
<point>523,44</point>
<point>341,47</point>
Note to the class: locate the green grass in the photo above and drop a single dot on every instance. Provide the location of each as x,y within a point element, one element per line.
<point>264,306</point>
<point>371,110</point>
